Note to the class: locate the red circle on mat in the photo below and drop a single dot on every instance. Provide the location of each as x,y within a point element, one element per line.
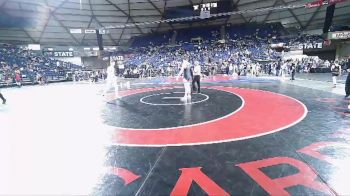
<point>263,113</point>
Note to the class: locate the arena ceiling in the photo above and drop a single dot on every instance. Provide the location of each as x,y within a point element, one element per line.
<point>48,22</point>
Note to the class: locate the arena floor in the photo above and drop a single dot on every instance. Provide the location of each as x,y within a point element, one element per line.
<point>239,136</point>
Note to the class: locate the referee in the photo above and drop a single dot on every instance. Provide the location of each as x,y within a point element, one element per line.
<point>196,77</point>
<point>347,83</point>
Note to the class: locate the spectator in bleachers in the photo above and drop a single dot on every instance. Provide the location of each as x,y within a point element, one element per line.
<point>29,63</point>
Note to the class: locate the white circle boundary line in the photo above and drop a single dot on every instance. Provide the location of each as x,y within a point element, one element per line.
<point>169,104</point>
<point>228,140</point>
<point>240,108</point>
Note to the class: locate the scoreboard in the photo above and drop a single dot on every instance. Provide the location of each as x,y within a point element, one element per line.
<point>214,7</point>
<point>205,7</point>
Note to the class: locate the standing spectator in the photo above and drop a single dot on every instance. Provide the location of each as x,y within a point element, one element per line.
<point>111,81</point>
<point>227,69</point>
<point>168,70</point>
<point>327,64</point>
<point>121,68</point>
<point>197,77</point>
<point>162,71</point>
<point>292,71</point>
<point>269,68</point>
<point>45,77</point>
<point>230,69</point>
<point>284,69</point>
<point>253,69</point>
<point>347,83</point>
<point>278,67</point>
<point>18,78</point>
<point>39,78</point>
<point>336,71</point>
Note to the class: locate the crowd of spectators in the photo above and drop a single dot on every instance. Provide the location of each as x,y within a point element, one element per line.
<point>214,58</point>
<point>245,50</point>
<point>91,75</point>
<point>242,50</point>
<point>19,64</point>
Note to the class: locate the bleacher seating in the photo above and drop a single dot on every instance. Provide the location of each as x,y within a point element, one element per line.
<point>250,38</point>
<point>245,44</point>
<point>31,65</point>
<point>206,33</point>
<point>152,40</point>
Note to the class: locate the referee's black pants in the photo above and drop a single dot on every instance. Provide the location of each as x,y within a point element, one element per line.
<point>196,79</point>
<point>347,85</point>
